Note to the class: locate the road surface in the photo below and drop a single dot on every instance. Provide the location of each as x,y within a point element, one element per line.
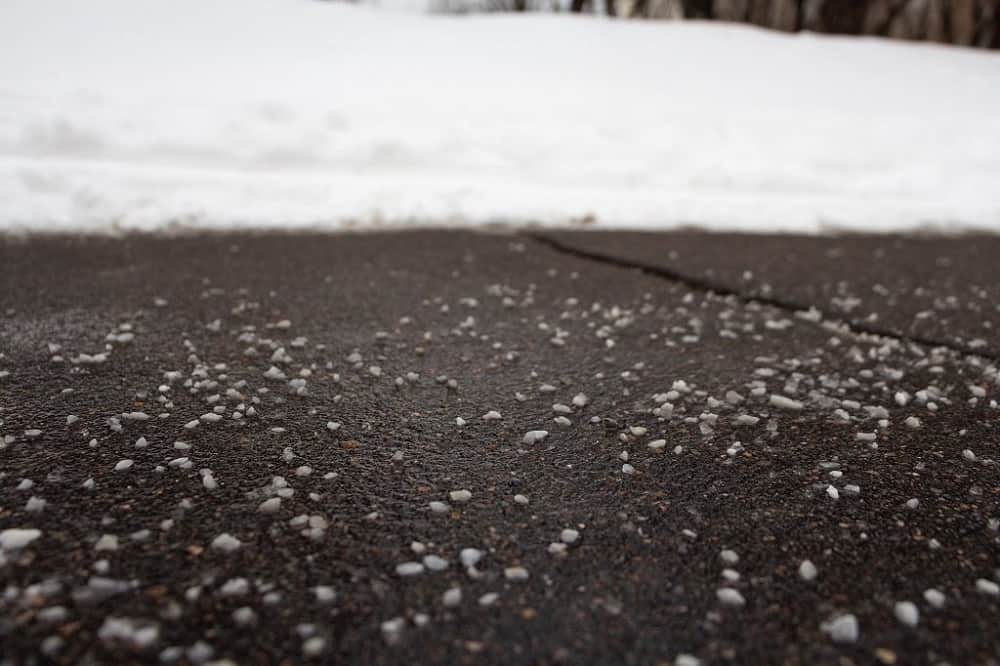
<point>276,448</point>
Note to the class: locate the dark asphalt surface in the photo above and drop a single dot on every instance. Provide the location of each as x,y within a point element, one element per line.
<point>939,288</point>
<point>690,551</point>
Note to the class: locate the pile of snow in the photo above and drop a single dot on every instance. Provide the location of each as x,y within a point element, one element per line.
<point>148,113</point>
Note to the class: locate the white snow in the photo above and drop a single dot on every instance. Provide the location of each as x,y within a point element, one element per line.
<point>146,115</point>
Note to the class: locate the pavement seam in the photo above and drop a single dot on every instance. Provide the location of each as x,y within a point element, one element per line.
<point>706,286</point>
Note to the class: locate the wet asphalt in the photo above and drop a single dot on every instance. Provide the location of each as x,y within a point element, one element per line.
<point>222,448</point>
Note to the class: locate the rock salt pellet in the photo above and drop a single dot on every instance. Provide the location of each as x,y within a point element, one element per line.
<point>516,574</point>
<point>409,568</point>
<point>534,436</point>
<point>569,536</point>
<point>452,597</point>
<point>730,597</point>
<point>906,613</point>
<point>843,629</point>
<point>460,496</point>
<point>470,556</point>
<point>435,563</point>
<point>934,597</point>
<point>807,570</point>
<point>226,543</point>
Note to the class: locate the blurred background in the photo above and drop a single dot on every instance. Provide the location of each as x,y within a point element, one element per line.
<point>964,22</point>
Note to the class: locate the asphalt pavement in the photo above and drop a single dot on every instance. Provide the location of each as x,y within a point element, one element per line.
<point>433,447</point>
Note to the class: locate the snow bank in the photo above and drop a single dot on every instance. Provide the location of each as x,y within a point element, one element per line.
<point>141,114</point>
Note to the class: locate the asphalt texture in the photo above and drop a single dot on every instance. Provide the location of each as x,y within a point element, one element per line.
<point>251,449</point>
<point>939,289</point>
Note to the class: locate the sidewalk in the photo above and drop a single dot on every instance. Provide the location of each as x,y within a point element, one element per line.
<point>279,447</point>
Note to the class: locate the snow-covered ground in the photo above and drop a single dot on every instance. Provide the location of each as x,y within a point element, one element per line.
<point>150,113</point>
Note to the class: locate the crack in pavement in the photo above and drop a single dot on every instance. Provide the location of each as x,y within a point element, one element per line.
<point>792,307</point>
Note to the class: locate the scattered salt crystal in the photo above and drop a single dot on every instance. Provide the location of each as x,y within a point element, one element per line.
<point>123,465</point>
<point>934,597</point>
<point>470,556</point>
<point>729,556</point>
<point>235,587</point>
<point>730,597</point>
<point>628,469</point>
<point>409,568</point>
<point>516,573</point>
<point>392,630</point>
<point>313,647</point>
<point>460,496</point>
<point>272,505</point>
<point>784,402</point>
<point>807,570</point>
<point>906,612</point>
<point>534,436</point>
<point>17,538</point>
<point>842,629</point>
<point>452,597</point>
<point>521,499</point>
<point>556,548</point>
<point>435,563</point>
<point>569,536</point>
<point>226,543</point>
<point>832,492</point>
<point>984,586</point>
